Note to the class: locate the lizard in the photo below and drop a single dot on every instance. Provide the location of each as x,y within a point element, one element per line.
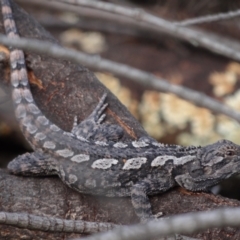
<point>92,159</point>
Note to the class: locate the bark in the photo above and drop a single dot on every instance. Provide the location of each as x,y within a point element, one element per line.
<point>63,90</point>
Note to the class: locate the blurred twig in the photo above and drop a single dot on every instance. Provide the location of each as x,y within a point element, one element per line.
<point>139,18</point>
<point>209,18</point>
<point>182,224</point>
<point>139,76</point>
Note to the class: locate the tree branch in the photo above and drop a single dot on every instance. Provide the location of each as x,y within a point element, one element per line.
<point>141,77</point>
<point>225,47</point>
<point>139,18</point>
<point>209,18</point>
<point>182,224</point>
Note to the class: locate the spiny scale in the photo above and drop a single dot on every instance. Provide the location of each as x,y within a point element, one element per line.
<point>92,159</point>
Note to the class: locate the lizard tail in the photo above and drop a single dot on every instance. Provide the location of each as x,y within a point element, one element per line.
<point>31,120</point>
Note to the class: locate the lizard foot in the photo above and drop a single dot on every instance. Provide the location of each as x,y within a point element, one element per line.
<point>93,127</point>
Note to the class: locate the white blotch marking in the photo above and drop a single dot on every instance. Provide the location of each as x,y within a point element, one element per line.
<point>16,95</point>
<point>40,136</point>
<point>17,55</point>
<point>213,161</point>
<point>82,138</point>
<point>157,144</point>
<point>27,95</point>
<point>161,160</point>
<point>20,111</point>
<point>72,178</point>
<point>33,108</point>
<point>62,173</point>
<point>139,144</point>
<point>120,145</point>
<point>14,78</point>
<point>100,143</point>
<point>90,183</point>
<point>183,160</point>
<point>54,128</point>
<point>49,145</point>
<point>65,153</point>
<point>27,121</point>
<point>68,134</point>
<point>14,65</point>
<point>31,128</point>
<point>42,120</point>
<point>7,9</point>
<point>111,184</point>
<point>134,163</point>
<point>104,163</point>
<point>23,76</point>
<point>80,158</point>
<point>19,76</point>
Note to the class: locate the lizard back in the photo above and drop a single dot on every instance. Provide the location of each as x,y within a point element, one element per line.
<point>81,159</point>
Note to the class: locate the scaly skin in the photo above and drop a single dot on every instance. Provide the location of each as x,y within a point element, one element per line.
<point>91,158</point>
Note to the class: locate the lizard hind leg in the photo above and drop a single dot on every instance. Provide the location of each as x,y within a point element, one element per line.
<point>92,128</point>
<point>33,164</point>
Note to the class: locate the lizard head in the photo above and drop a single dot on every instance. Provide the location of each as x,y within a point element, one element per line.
<point>213,163</point>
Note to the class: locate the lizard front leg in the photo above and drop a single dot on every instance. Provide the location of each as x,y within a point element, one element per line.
<point>140,192</point>
<point>203,183</point>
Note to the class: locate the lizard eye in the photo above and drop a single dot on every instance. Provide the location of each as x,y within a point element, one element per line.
<point>229,153</point>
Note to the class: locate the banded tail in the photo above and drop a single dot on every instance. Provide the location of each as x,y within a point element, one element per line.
<point>33,123</point>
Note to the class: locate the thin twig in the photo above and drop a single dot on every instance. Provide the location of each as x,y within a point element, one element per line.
<point>140,77</point>
<point>138,18</point>
<point>54,22</point>
<point>88,12</point>
<point>197,38</point>
<point>209,18</point>
<point>52,224</point>
<point>182,224</point>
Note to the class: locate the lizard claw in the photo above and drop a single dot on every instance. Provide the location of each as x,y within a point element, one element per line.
<point>158,215</point>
